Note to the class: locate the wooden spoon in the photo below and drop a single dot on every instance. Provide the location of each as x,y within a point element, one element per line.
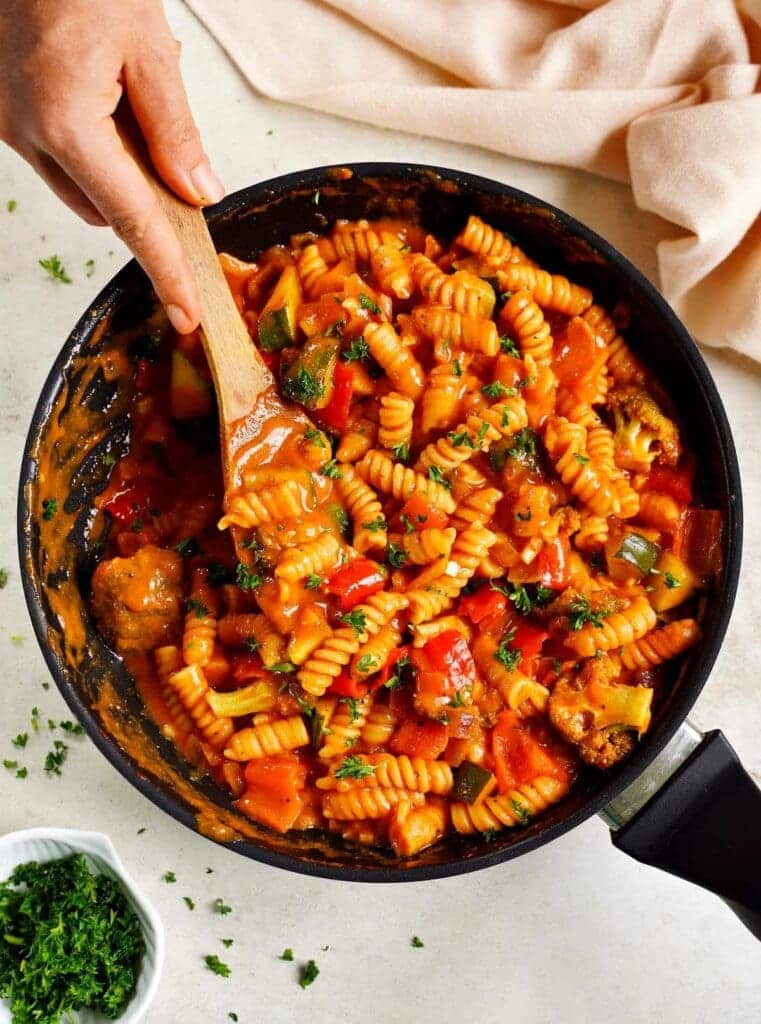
<point>245,387</point>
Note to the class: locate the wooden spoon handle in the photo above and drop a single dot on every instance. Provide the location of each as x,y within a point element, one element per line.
<point>239,373</point>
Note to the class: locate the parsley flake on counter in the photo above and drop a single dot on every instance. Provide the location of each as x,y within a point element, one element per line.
<point>49,509</point>
<point>11,205</point>
<point>234,1016</point>
<point>21,740</point>
<point>189,903</point>
<point>74,728</point>
<point>55,268</point>
<point>226,943</point>
<point>287,954</point>
<point>55,758</point>
<point>221,907</point>
<point>140,831</point>
<point>3,578</point>
<point>89,267</point>
<point>169,877</point>
<point>416,943</point>
<point>22,773</point>
<point>308,974</point>
<point>72,942</point>
<point>216,965</point>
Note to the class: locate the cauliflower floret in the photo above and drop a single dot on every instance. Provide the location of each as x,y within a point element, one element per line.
<point>597,715</point>
<point>642,432</point>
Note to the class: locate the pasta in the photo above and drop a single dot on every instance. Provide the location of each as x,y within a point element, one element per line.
<point>468,573</point>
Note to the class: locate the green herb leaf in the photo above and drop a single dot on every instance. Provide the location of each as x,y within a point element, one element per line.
<point>55,268</point>
<point>169,877</point>
<point>375,524</point>
<point>367,303</point>
<point>315,436</point>
<point>401,452</point>
<point>287,954</point>
<point>189,903</point>
<point>395,680</point>
<point>435,474</point>
<point>11,205</point>
<point>396,556</point>
<point>367,664</point>
<point>457,368</point>
<point>216,965</point>
<point>416,943</point>
<point>523,814</point>
<point>332,470</point>
<point>303,388</point>
<point>354,768</point>
<point>246,578</point>
<point>313,581</point>
<point>357,351</point>
<point>186,546</point>
<point>49,508</point>
<point>509,346</point>
<point>505,654</point>
<point>55,758</point>
<point>497,390</point>
<point>89,267</point>
<point>221,907</point>
<point>282,668</point>
<point>461,439</point>
<point>580,613</point>
<point>583,459</point>
<point>309,974</point>
<point>356,619</point>
<point>226,943</point>
<point>671,581</point>
<point>197,607</point>
<point>21,740</point>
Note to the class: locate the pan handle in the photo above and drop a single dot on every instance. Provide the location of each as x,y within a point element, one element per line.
<point>702,823</point>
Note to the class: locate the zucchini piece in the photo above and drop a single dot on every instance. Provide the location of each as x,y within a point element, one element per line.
<point>470,780</point>
<point>190,395</point>
<point>277,323</point>
<point>309,378</point>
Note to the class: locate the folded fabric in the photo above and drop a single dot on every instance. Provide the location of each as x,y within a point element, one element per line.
<point>665,94</point>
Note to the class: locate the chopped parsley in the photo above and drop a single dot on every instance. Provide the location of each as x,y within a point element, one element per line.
<point>309,974</point>
<point>583,459</point>
<point>303,387</point>
<point>524,445</point>
<point>520,598</point>
<point>367,664</point>
<point>367,303</point>
<point>580,613</point>
<point>169,877</point>
<point>11,205</point>
<point>49,508</point>
<point>108,460</point>
<point>246,579</point>
<point>461,439</point>
<point>353,705</point>
<point>497,390</point>
<point>315,436</point>
<point>55,758</point>
<point>353,767</point>
<point>72,942</point>
<point>287,954</point>
<point>509,346</point>
<point>505,654</point>
<point>332,470</point>
<point>521,812</point>
<point>226,943</point>
<point>186,546</point>
<point>189,903</point>
<point>489,835</point>
<point>543,594</point>
<point>671,581</point>
<point>3,578</point>
<point>457,368</point>
<point>216,965</point>
<point>282,668</point>
<point>313,581</point>
<point>233,1016</point>
<point>22,773</point>
<point>396,556</point>
<point>221,907</point>
<point>357,351</point>
<point>55,269</point>
<point>416,942</point>
<point>89,267</point>
<point>395,680</point>
<point>356,619</point>
<point>375,524</point>
<point>401,452</point>
<point>73,728</point>
<point>197,607</point>
<point>21,740</point>
<point>435,474</point>
<point>524,517</point>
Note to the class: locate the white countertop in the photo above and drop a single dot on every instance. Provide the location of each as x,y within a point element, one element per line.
<point>575,933</point>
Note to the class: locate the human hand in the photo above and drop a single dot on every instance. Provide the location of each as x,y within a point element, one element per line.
<point>63,71</point>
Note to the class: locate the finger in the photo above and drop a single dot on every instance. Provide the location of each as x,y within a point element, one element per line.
<point>116,186</point>
<point>157,96</point>
<point>66,189</point>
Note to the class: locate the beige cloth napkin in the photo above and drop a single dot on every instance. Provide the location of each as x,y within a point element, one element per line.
<point>665,94</point>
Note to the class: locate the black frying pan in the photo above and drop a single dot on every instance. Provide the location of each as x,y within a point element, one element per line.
<point>704,823</point>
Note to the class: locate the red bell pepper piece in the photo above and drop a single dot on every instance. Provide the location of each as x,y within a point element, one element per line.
<point>698,540</point>
<point>246,667</point>
<point>482,604</point>
<point>552,563</point>
<point>578,353</point>
<point>449,653</point>
<point>336,412</point>
<point>345,686</point>
<point>518,756</point>
<point>271,360</point>
<point>528,639</point>
<point>421,515</point>
<point>419,739</point>
<point>127,504</point>
<point>355,582</point>
<point>675,482</point>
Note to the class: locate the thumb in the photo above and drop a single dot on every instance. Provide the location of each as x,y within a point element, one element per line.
<point>158,99</point>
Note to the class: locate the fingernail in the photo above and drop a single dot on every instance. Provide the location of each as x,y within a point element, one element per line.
<point>179,319</point>
<point>208,186</point>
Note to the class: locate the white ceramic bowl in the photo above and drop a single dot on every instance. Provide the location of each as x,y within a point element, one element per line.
<point>44,844</point>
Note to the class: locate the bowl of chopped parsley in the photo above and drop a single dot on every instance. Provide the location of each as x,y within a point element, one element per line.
<point>76,934</point>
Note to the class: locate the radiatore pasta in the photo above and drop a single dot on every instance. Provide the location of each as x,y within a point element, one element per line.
<point>469,581</point>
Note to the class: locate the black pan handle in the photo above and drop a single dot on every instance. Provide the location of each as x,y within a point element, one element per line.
<point>704,825</point>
